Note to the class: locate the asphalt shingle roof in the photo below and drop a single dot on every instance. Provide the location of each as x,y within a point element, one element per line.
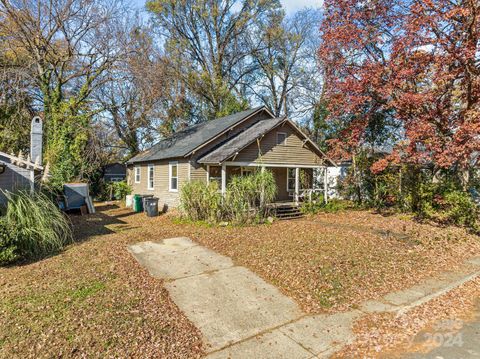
<point>183,142</point>
<point>240,141</point>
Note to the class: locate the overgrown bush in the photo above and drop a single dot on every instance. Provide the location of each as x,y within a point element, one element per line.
<point>32,227</point>
<point>107,191</point>
<point>446,204</point>
<point>118,190</point>
<point>245,200</point>
<point>333,205</point>
<point>428,192</point>
<point>8,249</point>
<point>201,201</point>
<point>247,197</point>
<point>315,205</point>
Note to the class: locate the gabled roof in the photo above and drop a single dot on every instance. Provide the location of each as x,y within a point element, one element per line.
<point>250,135</point>
<point>185,142</point>
<point>241,141</point>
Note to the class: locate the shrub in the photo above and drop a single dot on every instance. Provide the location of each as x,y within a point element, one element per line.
<point>245,201</point>
<point>201,201</point>
<point>247,197</point>
<point>106,191</point>
<point>315,205</point>
<point>332,206</point>
<point>461,209</point>
<point>118,190</point>
<point>8,249</point>
<point>446,204</point>
<point>335,205</point>
<point>32,227</point>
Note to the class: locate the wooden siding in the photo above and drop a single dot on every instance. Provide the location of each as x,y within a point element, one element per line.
<point>160,178</point>
<point>294,152</point>
<point>14,178</point>
<point>233,132</point>
<point>198,172</point>
<point>280,175</point>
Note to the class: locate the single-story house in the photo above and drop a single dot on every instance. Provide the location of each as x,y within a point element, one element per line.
<point>233,145</point>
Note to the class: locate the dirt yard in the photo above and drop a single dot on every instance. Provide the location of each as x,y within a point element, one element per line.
<point>94,298</point>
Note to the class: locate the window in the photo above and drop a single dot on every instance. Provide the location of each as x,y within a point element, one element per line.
<point>290,179</point>
<point>281,138</point>
<point>173,176</point>
<point>247,171</point>
<point>215,175</point>
<point>137,174</point>
<point>150,184</point>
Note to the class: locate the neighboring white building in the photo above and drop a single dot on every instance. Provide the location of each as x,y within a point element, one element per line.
<point>334,175</point>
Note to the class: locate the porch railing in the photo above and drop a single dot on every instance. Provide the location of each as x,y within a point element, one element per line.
<point>306,194</point>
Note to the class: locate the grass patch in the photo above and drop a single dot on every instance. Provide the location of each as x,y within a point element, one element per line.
<point>88,290</point>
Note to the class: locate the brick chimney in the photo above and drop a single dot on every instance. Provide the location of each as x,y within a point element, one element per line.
<point>36,140</point>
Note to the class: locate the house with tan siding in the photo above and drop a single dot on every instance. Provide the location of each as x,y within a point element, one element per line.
<point>230,146</point>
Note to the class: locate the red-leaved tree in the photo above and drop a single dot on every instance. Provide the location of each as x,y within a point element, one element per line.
<point>415,63</point>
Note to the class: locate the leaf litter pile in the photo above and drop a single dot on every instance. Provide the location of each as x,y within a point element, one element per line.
<point>93,299</point>
<point>393,336</point>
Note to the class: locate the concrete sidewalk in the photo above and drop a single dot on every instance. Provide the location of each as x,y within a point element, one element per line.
<point>242,316</point>
<point>238,313</point>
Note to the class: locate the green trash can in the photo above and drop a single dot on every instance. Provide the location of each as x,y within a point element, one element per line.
<point>137,203</point>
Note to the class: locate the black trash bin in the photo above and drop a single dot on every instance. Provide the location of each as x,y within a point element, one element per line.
<point>151,206</point>
<point>145,196</point>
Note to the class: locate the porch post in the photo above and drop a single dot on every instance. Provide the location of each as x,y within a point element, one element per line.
<point>262,193</point>
<point>224,179</point>
<point>325,185</point>
<point>297,183</point>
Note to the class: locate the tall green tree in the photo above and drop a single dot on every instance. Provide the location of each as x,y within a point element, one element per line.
<point>207,42</point>
<point>69,47</point>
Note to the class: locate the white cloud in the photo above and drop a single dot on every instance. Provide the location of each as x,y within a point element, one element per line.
<point>294,5</point>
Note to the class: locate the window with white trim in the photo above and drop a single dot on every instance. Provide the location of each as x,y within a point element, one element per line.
<point>173,176</point>
<point>137,174</point>
<point>151,172</point>
<point>290,179</point>
<point>281,138</point>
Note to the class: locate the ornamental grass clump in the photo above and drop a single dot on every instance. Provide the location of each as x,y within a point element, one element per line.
<point>32,227</point>
<point>200,201</point>
<point>245,200</point>
<point>247,197</point>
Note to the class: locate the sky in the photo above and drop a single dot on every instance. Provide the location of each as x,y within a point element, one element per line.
<point>293,5</point>
<point>290,5</point>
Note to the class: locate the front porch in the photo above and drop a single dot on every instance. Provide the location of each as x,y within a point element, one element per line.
<point>295,183</point>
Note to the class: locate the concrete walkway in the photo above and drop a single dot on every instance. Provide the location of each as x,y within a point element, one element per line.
<point>242,316</point>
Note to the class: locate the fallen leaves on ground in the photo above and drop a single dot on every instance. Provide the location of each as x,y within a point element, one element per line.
<point>94,300</point>
<point>391,336</point>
